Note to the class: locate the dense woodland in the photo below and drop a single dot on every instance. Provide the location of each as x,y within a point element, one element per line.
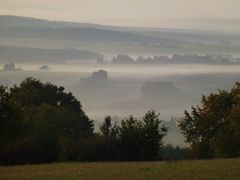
<point>40,122</point>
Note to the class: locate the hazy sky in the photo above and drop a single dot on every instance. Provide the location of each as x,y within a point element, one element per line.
<point>122,12</point>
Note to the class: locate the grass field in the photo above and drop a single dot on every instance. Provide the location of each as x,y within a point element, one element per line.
<point>210,169</point>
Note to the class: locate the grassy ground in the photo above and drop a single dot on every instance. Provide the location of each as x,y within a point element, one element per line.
<point>211,169</point>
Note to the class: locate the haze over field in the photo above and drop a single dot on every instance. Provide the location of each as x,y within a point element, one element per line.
<point>154,54</point>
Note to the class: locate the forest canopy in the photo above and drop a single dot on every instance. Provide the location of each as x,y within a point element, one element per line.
<point>40,122</point>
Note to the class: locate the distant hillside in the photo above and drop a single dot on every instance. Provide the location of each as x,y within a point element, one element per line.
<point>175,40</point>
<point>7,21</point>
<point>22,27</point>
<point>83,34</point>
<point>24,54</point>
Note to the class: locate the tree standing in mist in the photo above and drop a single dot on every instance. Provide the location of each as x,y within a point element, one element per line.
<point>135,139</point>
<point>39,122</point>
<point>213,128</point>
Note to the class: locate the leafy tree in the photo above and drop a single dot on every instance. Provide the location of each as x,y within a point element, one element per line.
<point>131,139</point>
<point>142,140</point>
<point>4,109</point>
<point>110,140</point>
<point>10,127</point>
<point>153,134</point>
<point>212,129</point>
<point>41,123</point>
<point>32,92</point>
<point>108,130</point>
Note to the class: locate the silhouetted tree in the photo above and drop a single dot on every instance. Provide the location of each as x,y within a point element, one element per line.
<point>108,130</point>
<point>131,139</point>
<point>212,129</point>
<point>153,135</point>
<point>41,123</point>
<point>141,140</point>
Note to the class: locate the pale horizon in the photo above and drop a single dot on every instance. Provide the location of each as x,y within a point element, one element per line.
<point>151,13</point>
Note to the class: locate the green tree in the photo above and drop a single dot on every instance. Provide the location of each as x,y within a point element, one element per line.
<point>41,123</point>
<point>131,139</point>
<point>108,130</point>
<point>142,140</point>
<point>212,128</point>
<point>153,134</point>
<point>4,109</point>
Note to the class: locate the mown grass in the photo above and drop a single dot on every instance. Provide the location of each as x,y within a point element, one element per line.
<point>181,170</point>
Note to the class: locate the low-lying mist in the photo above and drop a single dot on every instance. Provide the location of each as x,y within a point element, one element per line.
<point>132,89</point>
<point>122,90</point>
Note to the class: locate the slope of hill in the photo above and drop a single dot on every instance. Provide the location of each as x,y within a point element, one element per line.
<point>112,40</point>
<point>24,54</point>
<point>22,27</point>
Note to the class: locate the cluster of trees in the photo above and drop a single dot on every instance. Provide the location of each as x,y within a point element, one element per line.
<point>97,78</point>
<point>10,67</point>
<point>175,59</point>
<point>133,139</point>
<point>39,122</point>
<point>44,68</point>
<point>213,128</point>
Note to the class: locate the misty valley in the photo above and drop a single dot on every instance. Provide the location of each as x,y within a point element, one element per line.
<point>138,90</point>
<point>121,90</point>
<point>121,71</point>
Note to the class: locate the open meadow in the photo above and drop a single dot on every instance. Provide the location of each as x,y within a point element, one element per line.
<point>195,169</point>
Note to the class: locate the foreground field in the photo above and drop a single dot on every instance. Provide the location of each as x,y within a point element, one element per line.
<point>212,169</point>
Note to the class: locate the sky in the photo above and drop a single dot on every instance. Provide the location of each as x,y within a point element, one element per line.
<point>123,12</point>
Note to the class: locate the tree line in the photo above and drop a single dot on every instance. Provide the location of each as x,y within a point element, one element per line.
<point>175,59</point>
<point>40,122</point>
